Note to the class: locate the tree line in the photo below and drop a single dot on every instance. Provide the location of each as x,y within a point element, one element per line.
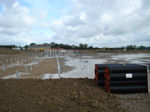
<point>86,46</point>
<point>80,46</point>
<point>134,47</point>
<point>67,46</point>
<point>8,46</point>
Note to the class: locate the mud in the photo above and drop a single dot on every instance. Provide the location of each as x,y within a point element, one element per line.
<point>61,95</point>
<point>76,95</point>
<point>134,102</point>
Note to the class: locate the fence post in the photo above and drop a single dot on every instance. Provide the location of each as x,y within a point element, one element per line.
<point>6,60</point>
<point>14,59</point>
<point>11,61</point>
<point>35,65</point>
<point>22,60</point>
<point>31,67</point>
<point>26,68</point>
<point>4,67</point>
<point>17,75</point>
<point>58,65</point>
<point>52,52</point>
<point>1,62</point>
<point>49,53</point>
<point>17,61</point>
<point>28,59</point>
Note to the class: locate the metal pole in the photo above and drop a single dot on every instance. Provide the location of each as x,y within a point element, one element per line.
<point>11,62</point>
<point>58,65</point>
<point>6,60</point>
<point>1,62</point>
<point>26,68</point>
<point>4,67</point>
<point>31,67</point>
<point>17,61</point>
<point>17,75</point>
<point>22,60</point>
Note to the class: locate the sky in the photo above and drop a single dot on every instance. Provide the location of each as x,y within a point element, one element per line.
<point>100,23</point>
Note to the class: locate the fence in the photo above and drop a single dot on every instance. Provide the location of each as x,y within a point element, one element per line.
<point>31,60</point>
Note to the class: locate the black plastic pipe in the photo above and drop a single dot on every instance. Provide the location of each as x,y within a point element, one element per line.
<point>127,83</point>
<point>124,76</point>
<point>128,89</point>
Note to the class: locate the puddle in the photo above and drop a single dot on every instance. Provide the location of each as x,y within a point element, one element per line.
<point>14,76</point>
<point>133,58</point>
<point>9,77</point>
<point>84,65</point>
<point>50,76</point>
<point>84,68</point>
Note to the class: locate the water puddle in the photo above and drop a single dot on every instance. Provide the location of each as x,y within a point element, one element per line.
<point>14,76</point>
<point>50,76</point>
<point>84,68</point>
<point>84,65</point>
<point>133,58</point>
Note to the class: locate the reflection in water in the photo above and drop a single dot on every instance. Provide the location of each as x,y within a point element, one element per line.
<point>84,65</point>
<point>133,58</point>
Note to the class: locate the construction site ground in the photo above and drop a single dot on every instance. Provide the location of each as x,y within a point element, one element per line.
<point>33,94</point>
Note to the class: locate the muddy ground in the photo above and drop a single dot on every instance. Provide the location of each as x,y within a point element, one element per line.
<point>45,66</point>
<point>134,102</point>
<point>55,95</point>
<point>66,95</point>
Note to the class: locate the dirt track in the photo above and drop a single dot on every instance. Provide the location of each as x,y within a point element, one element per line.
<point>62,95</point>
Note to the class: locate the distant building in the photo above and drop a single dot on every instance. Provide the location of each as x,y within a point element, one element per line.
<point>39,47</point>
<point>125,49</point>
<point>16,48</point>
<point>59,49</point>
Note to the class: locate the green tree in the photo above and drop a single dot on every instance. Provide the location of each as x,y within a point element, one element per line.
<point>131,47</point>
<point>26,47</point>
<point>32,44</point>
<point>90,47</point>
<point>142,47</point>
<point>83,46</point>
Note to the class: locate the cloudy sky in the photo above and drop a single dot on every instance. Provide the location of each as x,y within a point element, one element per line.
<point>95,22</point>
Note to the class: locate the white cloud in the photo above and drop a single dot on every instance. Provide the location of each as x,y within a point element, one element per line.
<point>121,22</point>
<point>95,22</point>
<point>15,19</point>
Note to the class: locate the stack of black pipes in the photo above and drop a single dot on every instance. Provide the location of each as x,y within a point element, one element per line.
<point>118,78</point>
<point>100,73</point>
